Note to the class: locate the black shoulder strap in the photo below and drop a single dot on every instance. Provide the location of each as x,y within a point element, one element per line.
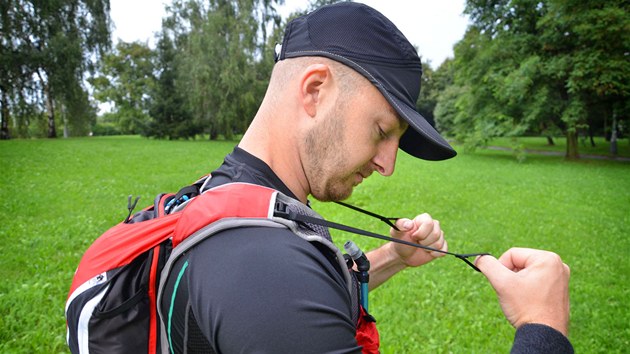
<point>283,212</point>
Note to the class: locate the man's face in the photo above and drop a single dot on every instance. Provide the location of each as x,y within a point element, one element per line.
<point>357,136</point>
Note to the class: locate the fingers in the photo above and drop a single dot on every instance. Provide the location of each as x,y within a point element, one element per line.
<point>403,225</point>
<point>424,230</point>
<point>429,232</point>
<point>518,258</point>
<point>495,270</point>
<point>443,248</point>
<point>532,286</point>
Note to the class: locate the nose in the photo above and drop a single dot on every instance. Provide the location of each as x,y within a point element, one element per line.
<point>385,158</point>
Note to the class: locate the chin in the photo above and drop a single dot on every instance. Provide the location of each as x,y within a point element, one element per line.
<point>340,195</point>
<point>334,194</point>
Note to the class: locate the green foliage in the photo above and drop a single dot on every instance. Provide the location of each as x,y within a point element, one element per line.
<point>445,109</point>
<point>595,34</point>
<point>106,128</point>
<point>222,66</point>
<point>170,117</point>
<point>526,66</point>
<point>47,48</point>
<point>485,201</point>
<point>429,90</point>
<point>126,79</point>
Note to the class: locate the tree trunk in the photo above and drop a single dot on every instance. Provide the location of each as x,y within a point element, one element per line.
<point>613,137</point>
<point>66,132</point>
<point>550,140</point>
<point>4,115</point>
<point>50,112</point>
<point>572,145</point>
<point>214,133</point>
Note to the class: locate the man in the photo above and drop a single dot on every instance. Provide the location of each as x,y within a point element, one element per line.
<point>340,103</point>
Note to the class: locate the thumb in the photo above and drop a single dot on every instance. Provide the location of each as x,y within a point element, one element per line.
<point>404,224</point>
<point>493,269</point>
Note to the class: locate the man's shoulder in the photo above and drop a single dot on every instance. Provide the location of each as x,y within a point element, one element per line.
<point>261,254</point>
<point>256,241</point>
<point>241,166</point>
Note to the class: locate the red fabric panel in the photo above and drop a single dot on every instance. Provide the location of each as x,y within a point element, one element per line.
<point>120,245</point>
<point>230,200</point>
<point>124,242</point>
<point>367,334</point>
<point>153,318</point>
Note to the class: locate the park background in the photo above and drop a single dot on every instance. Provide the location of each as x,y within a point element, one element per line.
<point>534,99</point>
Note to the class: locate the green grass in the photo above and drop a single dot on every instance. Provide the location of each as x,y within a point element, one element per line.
<point>58,195</point>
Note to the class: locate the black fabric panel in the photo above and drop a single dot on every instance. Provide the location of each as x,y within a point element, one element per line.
<point>120,322</point>
<point>177,332</point>
<point>197,342</point>
<point>269,291</point>
<point>74,312</point>
<point>240,166</point>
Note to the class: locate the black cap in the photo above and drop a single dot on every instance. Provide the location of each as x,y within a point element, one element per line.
<point>365,40</point>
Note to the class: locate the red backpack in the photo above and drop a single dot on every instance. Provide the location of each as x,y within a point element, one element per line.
<point>111,305</point>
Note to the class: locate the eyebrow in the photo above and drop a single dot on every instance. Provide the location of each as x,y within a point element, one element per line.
<point>402,124</point>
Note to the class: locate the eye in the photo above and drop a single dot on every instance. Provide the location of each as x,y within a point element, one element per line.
<point>381,133</point>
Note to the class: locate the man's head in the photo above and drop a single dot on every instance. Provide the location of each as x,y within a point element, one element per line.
<point>340,102</point>
<point>326,128</point>
<point>347,131</point>
<point>366,41</point>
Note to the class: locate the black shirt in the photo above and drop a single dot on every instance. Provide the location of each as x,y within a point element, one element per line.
<point>266,290</point>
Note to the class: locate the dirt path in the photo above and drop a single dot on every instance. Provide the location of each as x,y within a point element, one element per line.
<point>560,153</point>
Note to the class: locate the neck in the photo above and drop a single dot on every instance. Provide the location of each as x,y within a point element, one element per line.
<point>270,139</point>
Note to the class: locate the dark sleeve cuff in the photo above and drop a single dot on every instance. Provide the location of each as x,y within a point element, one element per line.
<point>538,338</point>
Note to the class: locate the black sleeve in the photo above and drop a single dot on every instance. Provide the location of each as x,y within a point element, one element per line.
<point>266,290</point>
<point>538,338</point>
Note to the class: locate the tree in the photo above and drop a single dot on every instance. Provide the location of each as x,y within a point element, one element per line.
<point>126,80</point>
<point>222,46</point>
<point>14,55</point>
<point>587,41</point>
<point>427,98</point>
<point>169,115</point>
<point>530,66</point>
<point>434,84</point>
<point>47,47</point>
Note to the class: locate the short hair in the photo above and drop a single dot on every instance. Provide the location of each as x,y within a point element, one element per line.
<point>286,70</point>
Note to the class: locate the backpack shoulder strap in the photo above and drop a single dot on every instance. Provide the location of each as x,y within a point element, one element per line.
<point>242,200</point>
<point>241,205</point>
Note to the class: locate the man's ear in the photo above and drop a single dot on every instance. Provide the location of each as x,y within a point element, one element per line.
<point>314,81</point>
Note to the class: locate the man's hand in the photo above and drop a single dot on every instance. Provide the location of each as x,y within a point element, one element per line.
<point>422,230</point>
<point>391,258</point>
<point>532,286</point>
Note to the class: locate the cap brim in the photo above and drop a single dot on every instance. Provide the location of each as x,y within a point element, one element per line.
<point>420,140</point>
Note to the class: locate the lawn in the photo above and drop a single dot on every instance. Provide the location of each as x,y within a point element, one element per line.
<point>58,195</point>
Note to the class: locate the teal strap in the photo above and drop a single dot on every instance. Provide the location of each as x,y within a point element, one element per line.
<point>170,310</point>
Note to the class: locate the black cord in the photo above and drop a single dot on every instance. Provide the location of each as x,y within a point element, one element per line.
<point>387,220</point>
<point>291,215</point>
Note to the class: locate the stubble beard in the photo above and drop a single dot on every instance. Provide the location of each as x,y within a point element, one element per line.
<point>325,151</point>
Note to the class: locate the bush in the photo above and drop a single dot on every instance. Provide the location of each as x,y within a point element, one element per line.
<point>102,129</point>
